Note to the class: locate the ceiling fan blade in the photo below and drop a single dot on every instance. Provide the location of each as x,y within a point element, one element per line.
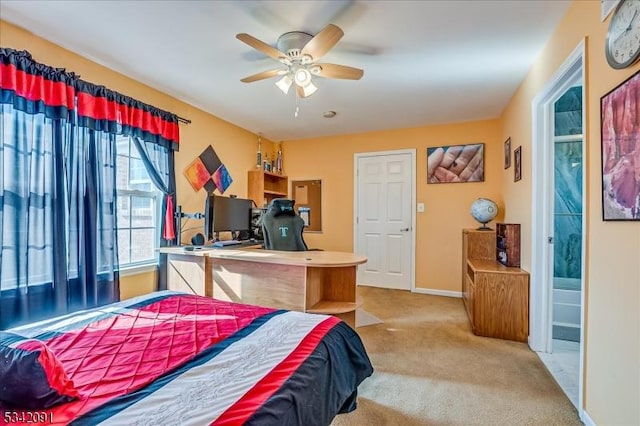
<point>261,76</point>
<point>322,42</point>
<point>339,71</point>
<point>260,46</point>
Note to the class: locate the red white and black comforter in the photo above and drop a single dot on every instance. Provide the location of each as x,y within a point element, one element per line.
<point>175,359</point>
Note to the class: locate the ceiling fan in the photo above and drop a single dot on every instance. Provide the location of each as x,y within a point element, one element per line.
<point>298,52</point>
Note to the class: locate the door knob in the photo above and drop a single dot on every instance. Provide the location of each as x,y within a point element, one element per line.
<point>404,230</point>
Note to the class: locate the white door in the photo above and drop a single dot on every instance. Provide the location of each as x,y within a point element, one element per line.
<point>384,221</point>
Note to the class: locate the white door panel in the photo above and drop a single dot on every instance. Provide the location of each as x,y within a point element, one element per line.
<point>384,219</point>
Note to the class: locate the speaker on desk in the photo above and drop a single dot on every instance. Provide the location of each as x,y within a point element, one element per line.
<point>197,240</point>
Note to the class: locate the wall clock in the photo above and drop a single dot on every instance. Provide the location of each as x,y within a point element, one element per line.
<point>622,48</point>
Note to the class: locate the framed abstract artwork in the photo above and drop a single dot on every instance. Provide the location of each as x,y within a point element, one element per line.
<point>620,132</point>
<point>455,163</point>
<point>207,171</point>
<point>517,159</point>
<point>507,153</point>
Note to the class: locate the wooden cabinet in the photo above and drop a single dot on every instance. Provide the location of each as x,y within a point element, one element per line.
<point>265,186</point>
<point>495,296</point>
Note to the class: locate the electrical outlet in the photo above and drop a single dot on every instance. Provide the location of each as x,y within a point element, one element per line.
<point>420,207</point>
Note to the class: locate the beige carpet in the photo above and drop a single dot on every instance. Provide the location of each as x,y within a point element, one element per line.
<point>431,370</point>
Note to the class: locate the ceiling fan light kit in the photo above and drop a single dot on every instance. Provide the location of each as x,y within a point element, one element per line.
<point>308,90</point>
<point>284,83</point>
<point>298,51</point>
<point>302,77</point>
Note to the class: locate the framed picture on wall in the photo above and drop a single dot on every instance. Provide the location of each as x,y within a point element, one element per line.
<point>517,159</point>
<point>621,151</point>
<point>455,163</point>
<point>507,153</point>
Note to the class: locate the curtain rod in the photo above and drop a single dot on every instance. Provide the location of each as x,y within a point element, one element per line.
<point>184,120</point>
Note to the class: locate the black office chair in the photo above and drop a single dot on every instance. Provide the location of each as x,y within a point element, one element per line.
<point>282,227</point>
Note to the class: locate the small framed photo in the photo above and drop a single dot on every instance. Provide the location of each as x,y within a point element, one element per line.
<point>507,153</point>
<point>517,159</point>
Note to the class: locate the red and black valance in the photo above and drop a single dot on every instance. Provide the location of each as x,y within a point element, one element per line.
<point>103,109</point>
<point>35,88</point>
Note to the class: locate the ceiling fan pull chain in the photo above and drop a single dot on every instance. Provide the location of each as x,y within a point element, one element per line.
<point>297,105</point>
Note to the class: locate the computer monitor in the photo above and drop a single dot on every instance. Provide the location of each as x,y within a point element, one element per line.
<point>226,214</point>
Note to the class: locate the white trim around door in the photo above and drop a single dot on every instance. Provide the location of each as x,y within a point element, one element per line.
<point>540,304</point>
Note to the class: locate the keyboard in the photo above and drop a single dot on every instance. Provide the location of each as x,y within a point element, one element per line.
<point>226,243</point>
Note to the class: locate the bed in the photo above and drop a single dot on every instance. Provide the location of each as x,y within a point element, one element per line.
<point>171,358</point>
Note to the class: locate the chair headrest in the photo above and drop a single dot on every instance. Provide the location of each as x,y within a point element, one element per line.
<point>283,206</point>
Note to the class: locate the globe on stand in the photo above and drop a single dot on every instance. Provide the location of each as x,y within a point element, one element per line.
<point>484,211</point>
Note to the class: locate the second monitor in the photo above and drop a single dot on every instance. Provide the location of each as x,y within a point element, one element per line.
<point>224,214</point>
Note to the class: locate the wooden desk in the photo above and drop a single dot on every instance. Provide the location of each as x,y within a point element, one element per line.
<point>309,281</point>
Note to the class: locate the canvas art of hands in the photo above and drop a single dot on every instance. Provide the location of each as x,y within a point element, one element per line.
<point>456,163</point>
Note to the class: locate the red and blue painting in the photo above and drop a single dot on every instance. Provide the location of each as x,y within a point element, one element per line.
<point>208,172</point>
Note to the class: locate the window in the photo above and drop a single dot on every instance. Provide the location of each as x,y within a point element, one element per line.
<point>138,209</point>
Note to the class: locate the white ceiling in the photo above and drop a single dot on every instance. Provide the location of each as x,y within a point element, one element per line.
<point>424,62</point>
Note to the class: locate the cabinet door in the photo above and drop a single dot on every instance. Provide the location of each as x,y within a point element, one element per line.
<point>501,305</point>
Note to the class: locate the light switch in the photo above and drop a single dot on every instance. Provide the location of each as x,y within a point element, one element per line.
<point>420,207</point>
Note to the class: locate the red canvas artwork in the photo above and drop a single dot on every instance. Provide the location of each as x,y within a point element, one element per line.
<point>620,114</point>
<point>197,174</point>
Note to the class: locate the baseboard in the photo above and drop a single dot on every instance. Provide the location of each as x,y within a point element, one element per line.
<point>446,293</point>
<point>588,421</point>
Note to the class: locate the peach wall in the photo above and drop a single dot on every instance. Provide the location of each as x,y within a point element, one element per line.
<point>137,285</point>
<point>439,228</point>
<point>612,369</point>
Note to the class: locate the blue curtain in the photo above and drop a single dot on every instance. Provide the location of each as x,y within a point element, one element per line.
<point>27,215</point>
<point>57,210</point>
<point>90,189</point>
<point>159,162</point>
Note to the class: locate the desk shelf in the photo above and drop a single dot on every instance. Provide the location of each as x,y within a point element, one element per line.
<point>330,307</point>
<point>265,186</point>
<point>279,194</point>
